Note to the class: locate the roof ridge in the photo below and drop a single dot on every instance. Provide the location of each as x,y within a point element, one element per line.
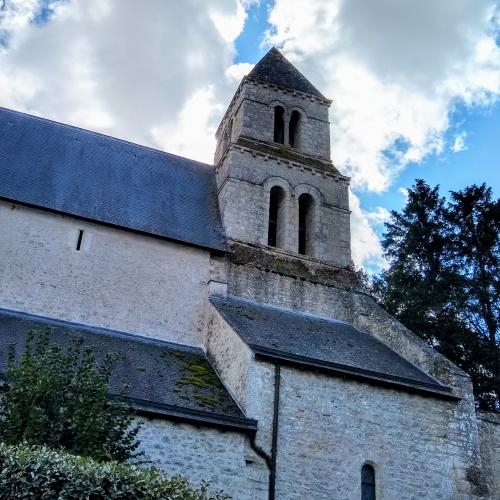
<point>104,136</point>
<point>305,314</point>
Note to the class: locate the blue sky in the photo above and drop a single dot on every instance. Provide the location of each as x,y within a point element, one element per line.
<point>415,85</point>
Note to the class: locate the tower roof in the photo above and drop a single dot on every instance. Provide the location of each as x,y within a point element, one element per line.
<point>275,68</point>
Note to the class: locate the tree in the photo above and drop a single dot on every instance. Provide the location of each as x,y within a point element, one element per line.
<point>61,400</point>
<point>443,281</point>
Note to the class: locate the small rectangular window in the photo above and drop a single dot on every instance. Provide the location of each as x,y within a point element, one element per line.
<point>79,240</point>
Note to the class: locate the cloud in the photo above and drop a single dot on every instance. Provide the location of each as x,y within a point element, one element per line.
<point>150,74</point>
<point>366,248</point>
<point>395,69</point>
<point>459,143</point>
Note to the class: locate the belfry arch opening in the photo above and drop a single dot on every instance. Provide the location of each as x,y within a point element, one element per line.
<point>276,228</point>
<point>279,124</point>
<point>293,130</point>
<point>306,224</point>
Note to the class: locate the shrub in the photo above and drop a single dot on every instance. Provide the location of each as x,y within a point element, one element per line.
<point>61,400</point>
<point>38,472</point>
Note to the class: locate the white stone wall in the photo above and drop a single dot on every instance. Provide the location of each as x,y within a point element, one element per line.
<point>202,453</point>
<point>230,356</point>
<point>329,427</point>
<point>118,280</point>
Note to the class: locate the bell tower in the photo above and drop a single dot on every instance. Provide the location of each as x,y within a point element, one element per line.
<point>278,188</point>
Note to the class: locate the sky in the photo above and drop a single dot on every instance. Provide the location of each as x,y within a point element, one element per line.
<point>415,85</point>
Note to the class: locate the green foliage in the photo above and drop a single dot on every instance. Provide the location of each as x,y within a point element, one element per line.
<point>61,400</point>
<point>443,281</point>
<point>37,472</point>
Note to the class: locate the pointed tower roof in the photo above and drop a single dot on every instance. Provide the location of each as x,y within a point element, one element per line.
<point>275,68</point>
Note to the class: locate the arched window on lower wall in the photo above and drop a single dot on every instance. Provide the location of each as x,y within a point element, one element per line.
<point>367,482</point>
<point>306,224</point>
<point>276,231</point>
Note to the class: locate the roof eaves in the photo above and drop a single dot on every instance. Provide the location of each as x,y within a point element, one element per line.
<point>304,362</point>
<point>218,249</point>
<point>148,408</point>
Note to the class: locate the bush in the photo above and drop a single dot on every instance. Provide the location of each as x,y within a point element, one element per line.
<point>38,472</point>
<point>61,400</point>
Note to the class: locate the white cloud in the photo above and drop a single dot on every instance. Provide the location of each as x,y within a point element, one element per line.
<point>404,192</point>
<point>236,72</point>
<point>366,248</point>
<point>148,73</point>
<point>459,143</point>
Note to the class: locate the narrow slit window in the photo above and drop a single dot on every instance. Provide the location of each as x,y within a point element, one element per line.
<point>276,223</point>
<point>79,240</point>
<point>367,482</point>
<point>279,124</point>
<point>306,224</point>
<point>293,130</point>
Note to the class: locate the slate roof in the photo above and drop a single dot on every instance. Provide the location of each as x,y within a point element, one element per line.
<point>275,68</point>
<point>100,178</point>
<point>301,339</point>
<point>163,378</point>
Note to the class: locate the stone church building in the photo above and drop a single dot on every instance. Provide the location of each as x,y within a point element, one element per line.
<point>253,356</point>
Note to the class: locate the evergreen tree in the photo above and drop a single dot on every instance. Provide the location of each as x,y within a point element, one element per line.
<point>443,281</point>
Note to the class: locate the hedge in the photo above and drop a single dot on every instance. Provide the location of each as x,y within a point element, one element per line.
<point>31,472</point>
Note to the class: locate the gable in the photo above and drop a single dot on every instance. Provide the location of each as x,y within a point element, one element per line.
<point>73,171</point>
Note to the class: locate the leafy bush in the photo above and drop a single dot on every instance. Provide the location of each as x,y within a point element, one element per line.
<point>37,472</point>
<point>61,400</point>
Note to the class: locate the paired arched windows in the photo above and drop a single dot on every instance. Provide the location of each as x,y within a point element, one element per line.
<point>367,482</point>
<point>286,131</point>
<point>305,222</point>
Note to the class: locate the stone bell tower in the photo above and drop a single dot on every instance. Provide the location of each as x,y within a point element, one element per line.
<point>278,188</point>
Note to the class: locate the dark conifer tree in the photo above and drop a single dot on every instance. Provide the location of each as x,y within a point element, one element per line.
<point>443,278</point>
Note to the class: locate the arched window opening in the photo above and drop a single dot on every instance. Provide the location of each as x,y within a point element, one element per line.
<point>279,124</point>
<point>367,482</point>
<point>293,130</point>
<point>306,224</point>
<point>276,216</point>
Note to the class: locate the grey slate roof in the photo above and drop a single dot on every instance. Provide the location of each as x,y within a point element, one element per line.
<point>96,177</point>
<point>275,68</point>
<point>301,339</point>
<point>162,378</point>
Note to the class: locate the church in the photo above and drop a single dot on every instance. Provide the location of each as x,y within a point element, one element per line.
<point>253,357</point>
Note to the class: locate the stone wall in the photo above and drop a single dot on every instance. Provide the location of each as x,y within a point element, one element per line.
<point>489,434</point>
<point>225,458</point>
<point>329,428</point>
<point>118,279</point>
